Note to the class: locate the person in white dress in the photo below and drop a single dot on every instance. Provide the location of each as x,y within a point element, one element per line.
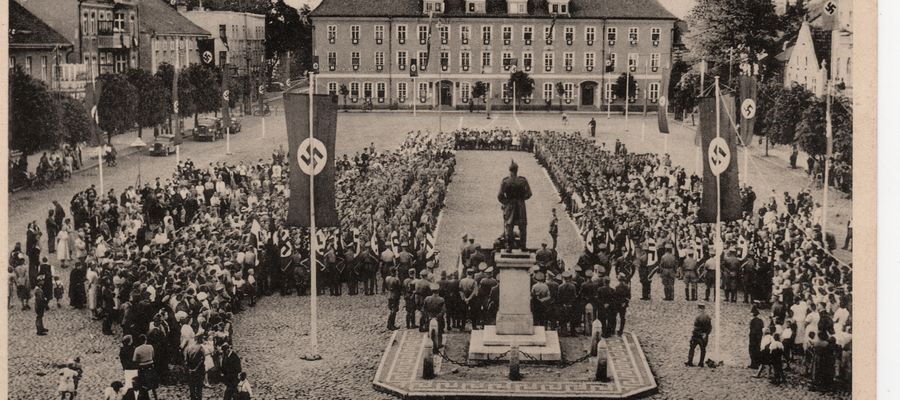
<point>62,247</point>
<point>800,309</point>
<point>92,280</point>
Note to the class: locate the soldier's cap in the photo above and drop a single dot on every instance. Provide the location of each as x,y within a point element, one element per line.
<point>482,266</point>
<point>412,271</point>
<point>567,274</point>
<point>539,276</point>
<point>754,311</point>
<point>589,273</point>
<point>434,286</point>
<point>470,271</point>
<point>701,306</point>
<point>602,246</point>
<point>490,270</point>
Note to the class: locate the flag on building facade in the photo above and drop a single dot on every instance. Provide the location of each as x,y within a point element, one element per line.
<point>311,157</point>
<point>661,111</point>
<point>207,48</point>
<point>728,179</point>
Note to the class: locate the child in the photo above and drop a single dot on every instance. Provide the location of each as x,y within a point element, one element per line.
<point>245,391</point>
<point>58,290</point>
<point>66,383</point>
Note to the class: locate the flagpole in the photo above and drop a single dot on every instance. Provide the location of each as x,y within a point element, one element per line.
<point>644,115</point>
<point>514,98</point>
<point>718,238</point>
<point>828,137</point>
<point>100,165</point>
<point>264,125</point>
<point>627,94</point>
<point>417,95</point>
<point>313,301</point>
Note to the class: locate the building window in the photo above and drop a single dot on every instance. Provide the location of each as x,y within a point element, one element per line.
<point>527,61</point>
<point>611,34</point>
<point>554,8</point>
<point>379,59</point>
<point>568,60</point>
<point>354,60</point>
<point>444,31</point>
<point>119,24</point>
<point>507,59</point>
<point>655,34</point>
<point>589,60</point>
<point>93,30</point>
<point>401,34</point>
<point>223,58</point>
<point>354,89</point>
<point>121,62</point>
<point>610,95</point>
<point>332,34</point>
<point>332,88</point>
<point>486,59</point>
<point>486,34</point>
<point>423,60</point>
<point>401,59</point>
<point>465,60</point>
<point>28,65</point>
<point>401,90</point>
<point>548,61</point>
<point>464,33</point>
<point>380,90</point>
<point>653,91</point>
<point>85,28</point>
<point>570,34</point>
<point>548,91</point>
<point>423,90</point>
<point>464,91</point>
<point>423,34</point>
<point>549,33</point>
<point>589,35</point>
<point>332,60</point>
<point>43,68</point>
<point>506,91</point>
<point>570,90</point>
<point>633,34</point>
<point>654,60</point>
<point>445,60</point>
<point>612,61</point>
<point>367,90</point>
<point>354,34</point>
<point>379,34</point>
<point>633,59</point>
<point>507,34</point>
<point>527,34</point>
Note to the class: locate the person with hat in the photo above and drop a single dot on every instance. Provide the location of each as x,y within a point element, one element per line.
<point>644,270</point>
<point>622,294</point>
<point>689,273</point>
<point>485,286</point>
<point>667,265</point>
<point>393,289</point>
<point>544,257</point>
<point>540,299</point>
<point>606,300</point>
<point>463,257</point>
<point>552,314</point>
<point>566,299</point>
<point>409,297</point>
<point>709,276</point>
<point>422,290</point>
<point>514,191</point>
<point>435,308</point>
<point>467,291</point>
<point>699,336</point>
<point>455,309</point>
<point>731,266</point>
<point>554,227</point>
<point>588,295</point>
<point>231,370</point>
<point>40,306</point>
<point>755,338</point>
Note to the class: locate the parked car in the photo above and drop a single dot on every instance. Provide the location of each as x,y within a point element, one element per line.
<point>235,125</point>
<point>275,87</point>
<point>163,145</point>
<point>208,129</point>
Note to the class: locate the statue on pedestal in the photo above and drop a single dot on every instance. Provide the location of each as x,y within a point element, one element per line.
<point>514,190</point>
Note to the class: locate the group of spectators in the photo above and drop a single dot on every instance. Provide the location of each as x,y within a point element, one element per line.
<point>169,262</point>
<point>57,165</point>
<point>492,139</point>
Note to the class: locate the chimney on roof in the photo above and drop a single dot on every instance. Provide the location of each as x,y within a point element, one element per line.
<point>180,6</point>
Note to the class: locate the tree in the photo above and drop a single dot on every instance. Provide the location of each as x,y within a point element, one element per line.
<point>719,27</point>
<point>794,17</point>
<point>683,94</point>
<point>186,93</point>
<point>151,103</point>
<point>523,83</point>
<point>344,92</point>
<point>34,121</point>
<point>625,87</point>
<point>207,89</point>
<point>76,120</point>
<point>289,36</point>
<point>781,118</point>
<point>811,129</point>
<point>560,93</point>
<point>118,105</point>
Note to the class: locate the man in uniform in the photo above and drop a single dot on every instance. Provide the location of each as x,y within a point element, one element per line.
<point>467,288</point>
<point>544,257</point>
<point>40,305</point>
<point>449,298</point>
<point>434,307</point>
<point>731,266</point>
<point>689,272</point>
<point>699,336</point>
<point>386,263</point>
<point>487,283</point>
<point>667,265</point>
<point>422,290</point>
<point>622,297</point>
<point>409,296</point>
<point>540,298</point>
<point>552,308</point>
<point>606,297</point>
<point>393,288</point>
<point>405,261</point>
<point>644,271</point>
<point>568,295</point>
<point>589,296</point>
<point>514,191</point>
<point>710,277</point>
<point>554,227</point>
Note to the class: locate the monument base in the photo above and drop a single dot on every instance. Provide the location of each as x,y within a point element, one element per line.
<point>541,346</point>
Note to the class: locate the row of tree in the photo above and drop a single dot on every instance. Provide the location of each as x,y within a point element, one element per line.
<point>41,119</point>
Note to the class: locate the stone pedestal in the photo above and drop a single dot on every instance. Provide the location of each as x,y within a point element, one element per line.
<point>515,324</point>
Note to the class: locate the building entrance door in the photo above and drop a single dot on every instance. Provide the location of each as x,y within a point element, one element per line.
<point>446,93</point>
<point>588,90</point>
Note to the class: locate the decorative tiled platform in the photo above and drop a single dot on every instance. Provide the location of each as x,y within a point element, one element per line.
<point>400,374</point>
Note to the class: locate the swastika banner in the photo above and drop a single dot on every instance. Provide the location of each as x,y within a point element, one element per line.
<point>728,180</point>
<point>311,157</point>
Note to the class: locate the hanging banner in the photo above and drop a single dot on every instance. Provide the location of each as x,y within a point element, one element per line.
<point>748,108</point>
<point>661,111</point>
<point>719,153</point>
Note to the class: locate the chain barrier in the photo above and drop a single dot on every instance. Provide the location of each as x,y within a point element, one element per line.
<point>477,363</point>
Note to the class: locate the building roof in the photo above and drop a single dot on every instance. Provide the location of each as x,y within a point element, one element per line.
<point>822,45</point>
<point>158,17</point>
<point>28,31</point>
<point>61,15</point>
<point>578,9</point>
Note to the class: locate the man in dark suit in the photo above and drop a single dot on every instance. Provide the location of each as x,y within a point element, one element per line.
<point>231,368</point>
<point>755,338</point>
<point>40,305</point>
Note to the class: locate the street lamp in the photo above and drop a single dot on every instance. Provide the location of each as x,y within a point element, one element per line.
<point>140,145</point>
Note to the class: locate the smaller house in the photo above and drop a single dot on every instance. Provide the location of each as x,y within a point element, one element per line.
<point>34,46</point>
<point>807,58</point>
<point>167,36</point>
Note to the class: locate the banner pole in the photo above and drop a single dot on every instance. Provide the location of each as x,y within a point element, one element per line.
<point>264,125</point>
<point>177,154</point>
<point>627,94</point>
<point>718,239</point>
<point>828,137</point>
<point>416,96</point>
<point>100,165</point>
<point>313,267</point>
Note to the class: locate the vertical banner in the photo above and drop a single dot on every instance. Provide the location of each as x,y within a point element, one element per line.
<point>226,97</point>
<point>206,48</point>
<point>748,108</point>
<point>176,119</point>
<point>91,101</point>
<point>302,152</point>
<point>661,110</point>
<point>721,155</point>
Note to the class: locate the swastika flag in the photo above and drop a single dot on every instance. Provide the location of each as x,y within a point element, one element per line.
<point>728,180</point>
<point>310,157</point>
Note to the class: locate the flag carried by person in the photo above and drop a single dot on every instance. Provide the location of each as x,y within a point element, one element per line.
<point>652,255</point>
<point>589,241</point>
<point>663,103</point>
<point>721,156</point>
<point>430,252</point>
<point>311,157</point>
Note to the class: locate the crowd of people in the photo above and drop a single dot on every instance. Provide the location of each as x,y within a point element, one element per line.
<point>169,262</point>
<point>56,166</point>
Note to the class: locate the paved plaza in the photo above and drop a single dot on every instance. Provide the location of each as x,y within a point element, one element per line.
<point>271,337</point>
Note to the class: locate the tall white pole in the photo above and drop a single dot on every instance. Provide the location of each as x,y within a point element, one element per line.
<point>514,98</point>
<point>177,154</point>
<point>627,94</point>
<point>417,95</point>
<point>264,125</point>
<point>828,138</point>
<point>228,139</point>
<point>313,267</point>
<point>718,239</point>
<point>100,165</point>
